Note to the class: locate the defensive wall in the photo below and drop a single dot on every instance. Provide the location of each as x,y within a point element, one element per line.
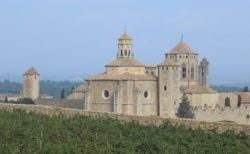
<point>194,124</point>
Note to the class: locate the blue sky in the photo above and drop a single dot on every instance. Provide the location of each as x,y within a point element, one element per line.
<point>68,38</point>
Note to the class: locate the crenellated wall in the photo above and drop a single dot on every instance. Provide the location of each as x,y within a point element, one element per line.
<point>234,114</point>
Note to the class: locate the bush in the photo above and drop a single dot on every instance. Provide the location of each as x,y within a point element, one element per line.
<point>25,101</point>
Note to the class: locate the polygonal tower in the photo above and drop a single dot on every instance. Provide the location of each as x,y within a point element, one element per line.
<point>31,85</point>
<point>125,46</point>
<point>204,73</point>
<point>169,87</point>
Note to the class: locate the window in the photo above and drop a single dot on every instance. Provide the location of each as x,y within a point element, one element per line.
<point>184,71</point>
<point>192,72</point>
<point>105,94</point>
<point>125,52</point>
<point>152,72</point>
<point>165,88</point>
<point>146,94</point>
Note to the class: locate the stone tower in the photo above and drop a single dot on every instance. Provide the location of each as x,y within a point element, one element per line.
<point>125,46</point>
<point>188,60</point>
<point>169,87</point>
<point>204,73</point>
<point>31,81</point>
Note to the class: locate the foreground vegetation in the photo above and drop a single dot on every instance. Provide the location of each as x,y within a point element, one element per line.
<point>34,133</point>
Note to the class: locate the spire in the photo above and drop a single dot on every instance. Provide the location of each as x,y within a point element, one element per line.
<point>182,36</point>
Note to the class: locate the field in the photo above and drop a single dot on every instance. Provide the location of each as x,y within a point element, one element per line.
<point>22,132</point>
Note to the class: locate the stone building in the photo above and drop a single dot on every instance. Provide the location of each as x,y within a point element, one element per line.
<point>31,81</point>
<point>128,86</point>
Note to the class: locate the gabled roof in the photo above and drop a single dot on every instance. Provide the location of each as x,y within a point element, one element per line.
<point>124,76</point>
<point>182,48</point>
<point>125,36</point>
<point>125,62</point>
<point>31,71</point>
<point>199,90</point>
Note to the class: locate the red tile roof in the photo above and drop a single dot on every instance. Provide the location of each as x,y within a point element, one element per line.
<point>124,76</point>
<point>31,71</point>
<point>182,48</point>
<point>126,62</point>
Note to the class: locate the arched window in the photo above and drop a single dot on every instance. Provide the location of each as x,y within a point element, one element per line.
<point>192,72</point>
<point>121,53</point>
<point>184,71</point>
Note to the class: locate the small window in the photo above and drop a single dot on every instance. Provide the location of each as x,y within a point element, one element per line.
<point>146,94</point>
<point>165,88</point>
<point>35,77</point>
<point>152,72</point>
<point>105,94</point>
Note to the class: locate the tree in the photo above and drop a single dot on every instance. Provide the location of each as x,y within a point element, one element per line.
<point>72,89</point>
<point>239,101</point>
<point>245,89</point>
<point>62,93</point>
<point>227,102</point>
<point>184,110</point>
<point>6,99</point>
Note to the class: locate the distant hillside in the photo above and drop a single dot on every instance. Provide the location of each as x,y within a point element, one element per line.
<point>52,88</point>
<point>227,88</point>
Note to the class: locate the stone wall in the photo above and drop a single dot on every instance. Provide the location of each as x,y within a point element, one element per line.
<point>233,114</point>
<point>64,103</point>
<point>49,110</point>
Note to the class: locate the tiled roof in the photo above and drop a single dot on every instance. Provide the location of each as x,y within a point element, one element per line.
<point>126,62</point>
<point>124,76</point>
<point>81,88</point>
<point>199,90</point>
<point>169,62</point>
<point>182,48</point>
<point>31,71</point>
<point>125,36</point>
<point>10,95</point>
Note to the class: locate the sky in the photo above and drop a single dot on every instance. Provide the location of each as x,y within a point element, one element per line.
<point>64,39</point>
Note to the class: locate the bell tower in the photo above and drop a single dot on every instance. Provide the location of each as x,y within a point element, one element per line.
<point>125,46</point>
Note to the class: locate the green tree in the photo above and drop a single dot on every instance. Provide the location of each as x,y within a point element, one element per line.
<point>62,93</point>
<point>6,99</point>
<point>72,89</point>
<point>227,102</point>
<point>239,101</point>
<point>245,89</point>
<point>184,110</point>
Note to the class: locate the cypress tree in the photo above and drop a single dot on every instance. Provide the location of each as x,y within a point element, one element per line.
<point>184,110</point>
<point>62,93</point>
<point>239,101</point>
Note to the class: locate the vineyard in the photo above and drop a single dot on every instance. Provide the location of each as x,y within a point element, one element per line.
<point>22,132</point>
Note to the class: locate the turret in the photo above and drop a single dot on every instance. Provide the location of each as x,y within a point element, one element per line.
<point>204,73</point>
<point>31,81</point>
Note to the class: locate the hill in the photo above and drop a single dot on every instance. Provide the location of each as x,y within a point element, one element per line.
<point>23,132</point>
